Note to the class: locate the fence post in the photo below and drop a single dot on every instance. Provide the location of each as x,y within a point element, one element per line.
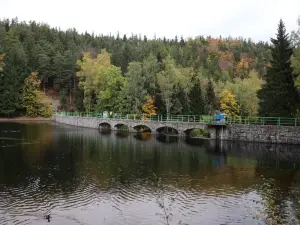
<point>194,119</point>
<point>279,121</point>
<point>295,122</point>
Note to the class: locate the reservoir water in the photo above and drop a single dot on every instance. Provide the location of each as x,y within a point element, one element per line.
<point>51,173</point>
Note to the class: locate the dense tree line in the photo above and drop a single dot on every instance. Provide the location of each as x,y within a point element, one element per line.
<point>91,72</point>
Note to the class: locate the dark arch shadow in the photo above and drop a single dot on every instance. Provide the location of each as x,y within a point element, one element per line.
<point>105,128</point>
<point>167,131</point>
<point>166,139</point>
<point>142,129</point>
<point>121,127</point>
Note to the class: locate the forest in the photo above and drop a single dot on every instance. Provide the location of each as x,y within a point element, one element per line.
<point>40,64</point>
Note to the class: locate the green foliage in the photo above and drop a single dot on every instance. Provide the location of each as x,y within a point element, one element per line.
<point>32,98</point>
<point>199,133</point>
<point>175,72</point>
<point>110,92</point>
<point>278,96</point>
<point>210,98</point>
<point>245,91</point>
<point>134,90</point>
<point>296,65</point>
<point>196,97</point>
<point>101,82</point>
<point>295,36</point>
<point>167,80</point>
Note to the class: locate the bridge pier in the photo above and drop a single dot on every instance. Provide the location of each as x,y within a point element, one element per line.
<point>217,131</point>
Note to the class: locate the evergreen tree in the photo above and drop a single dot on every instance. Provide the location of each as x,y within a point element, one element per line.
<point>196,98</point>
<point>278,96</point>
<point>210,98</point>
<point>53,53</point>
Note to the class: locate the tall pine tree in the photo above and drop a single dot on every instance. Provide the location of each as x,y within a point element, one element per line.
<point>196,98</point>
<point>210,98</point>
<point>278,96</point>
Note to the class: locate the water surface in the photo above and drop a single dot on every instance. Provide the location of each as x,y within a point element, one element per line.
<point>51,173</point>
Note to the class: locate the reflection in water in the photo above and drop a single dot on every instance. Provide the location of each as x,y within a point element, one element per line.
<point>71,175</point>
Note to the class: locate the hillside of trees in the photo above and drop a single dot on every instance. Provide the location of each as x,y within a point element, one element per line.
<point>93,73</point>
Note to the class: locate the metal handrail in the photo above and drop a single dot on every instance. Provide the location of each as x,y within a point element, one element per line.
<point>206,119</point>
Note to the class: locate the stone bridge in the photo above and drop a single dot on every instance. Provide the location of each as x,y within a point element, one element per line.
<point>232,132</point>
<point>155,127</point>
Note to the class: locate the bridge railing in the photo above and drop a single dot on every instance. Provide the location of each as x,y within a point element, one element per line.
<point>206,119</point>
<point>280,121</point>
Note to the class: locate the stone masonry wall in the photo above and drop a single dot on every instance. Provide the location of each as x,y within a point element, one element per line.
<point>263,133</point>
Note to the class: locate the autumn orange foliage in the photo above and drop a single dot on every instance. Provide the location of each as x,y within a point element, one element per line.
<point>149,107</point>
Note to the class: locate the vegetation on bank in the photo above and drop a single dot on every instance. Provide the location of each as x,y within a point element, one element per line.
<point>199,133</point>
<point>136,75</point>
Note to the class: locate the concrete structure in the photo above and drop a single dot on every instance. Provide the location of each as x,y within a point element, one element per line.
<point>234,132</point>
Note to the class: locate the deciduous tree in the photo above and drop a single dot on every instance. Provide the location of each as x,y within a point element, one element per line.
<point>32,98</point>
<point>167,80</point>
<point>149,106</point>
<point>228,104</point>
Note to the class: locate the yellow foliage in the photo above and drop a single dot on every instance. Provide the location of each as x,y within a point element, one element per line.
<point>229,104</point>
<point>243,65</point>
<point>1,62</point>
<point>32,98</point>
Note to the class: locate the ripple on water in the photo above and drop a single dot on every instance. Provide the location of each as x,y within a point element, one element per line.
<point>92,179</point>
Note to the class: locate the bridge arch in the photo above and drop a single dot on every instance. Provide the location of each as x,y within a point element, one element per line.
<point>121,127</point>
<point>167,130</point>
<point>104,126</point>
<point>142,128</point>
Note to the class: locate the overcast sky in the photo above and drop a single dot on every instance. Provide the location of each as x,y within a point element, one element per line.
<point>255,19</point>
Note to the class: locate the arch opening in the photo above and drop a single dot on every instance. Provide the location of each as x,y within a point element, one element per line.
<point>142,129</point>
<point>197,133</point>
<point>122,127</point>
<point>167,131</point>
<point>105,127</point>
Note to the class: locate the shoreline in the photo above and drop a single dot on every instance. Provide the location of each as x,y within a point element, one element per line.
<point>21,119</point>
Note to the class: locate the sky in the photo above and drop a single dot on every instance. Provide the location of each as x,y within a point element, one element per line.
<point>255,19</point>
